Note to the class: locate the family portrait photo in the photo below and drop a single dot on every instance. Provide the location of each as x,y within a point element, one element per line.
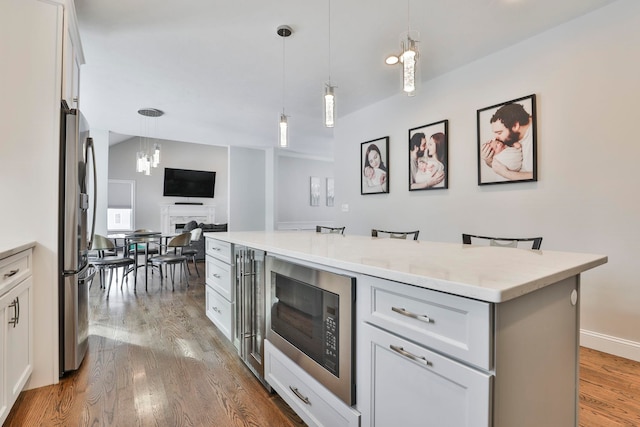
<point>507,142</point>
<point>428,165</point>
<point>374,169</point>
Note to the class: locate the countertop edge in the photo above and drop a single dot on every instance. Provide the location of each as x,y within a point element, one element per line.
<point>16,248</point>
<point>437,284</point>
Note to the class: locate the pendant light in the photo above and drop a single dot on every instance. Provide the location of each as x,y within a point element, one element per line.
<point>408,57</point>
<point>147,157</point>
<point>283,31</point>
<point>329,98</point>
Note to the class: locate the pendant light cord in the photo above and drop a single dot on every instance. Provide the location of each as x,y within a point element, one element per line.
<point>329,42</point>
<point>283,74</point>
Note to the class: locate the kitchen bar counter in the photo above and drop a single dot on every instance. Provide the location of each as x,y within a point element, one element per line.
<point>484,273</point>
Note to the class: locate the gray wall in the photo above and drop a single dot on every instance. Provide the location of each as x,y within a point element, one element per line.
<point>292,177</point>
<point>175,154</point>
<point>247,189</point>
<point>586,80</point>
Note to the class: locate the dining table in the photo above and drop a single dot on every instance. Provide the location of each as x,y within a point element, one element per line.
<point>140,242</point>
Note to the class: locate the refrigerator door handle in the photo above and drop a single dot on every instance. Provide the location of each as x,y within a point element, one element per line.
<point>95,185</point>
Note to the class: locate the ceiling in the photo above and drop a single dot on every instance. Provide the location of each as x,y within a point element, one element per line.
<point>216,67</point>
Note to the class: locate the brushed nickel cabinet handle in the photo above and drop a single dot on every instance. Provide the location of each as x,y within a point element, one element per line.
<point>15,304</point>
<point>404,312</point>
<point>411,356</point>
<point>300,395</point>
<point>11,273</point>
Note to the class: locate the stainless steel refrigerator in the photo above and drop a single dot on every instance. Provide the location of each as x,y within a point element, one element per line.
<point>74,236</point>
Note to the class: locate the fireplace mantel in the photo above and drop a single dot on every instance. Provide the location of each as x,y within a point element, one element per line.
<point>171,215</point>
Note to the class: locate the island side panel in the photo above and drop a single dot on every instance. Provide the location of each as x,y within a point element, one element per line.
<point>536,358</point>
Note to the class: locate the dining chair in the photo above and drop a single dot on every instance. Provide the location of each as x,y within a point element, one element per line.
<point>329,230</point>
<point>103,261</point>
<point>394,234</point>
<point>191,251</point>
<point>172,257</point>
<point>508,242</point>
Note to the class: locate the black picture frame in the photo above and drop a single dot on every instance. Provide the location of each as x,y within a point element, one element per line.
<point>374,179</point>
<point>513,144</point>
<point>429,156</point>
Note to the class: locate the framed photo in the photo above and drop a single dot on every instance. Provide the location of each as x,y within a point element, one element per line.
<point>314,191</point>
<point>428,156</point>
<point>330,192</point>
<point>507,144</point>
<point>374,166</point>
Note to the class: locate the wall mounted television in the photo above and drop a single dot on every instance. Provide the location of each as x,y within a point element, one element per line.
<point>189,183</point>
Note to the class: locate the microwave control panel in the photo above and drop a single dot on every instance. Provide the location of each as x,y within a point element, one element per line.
<point>331,340</point>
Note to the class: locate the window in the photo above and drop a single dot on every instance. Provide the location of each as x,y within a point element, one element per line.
<point>120,209</point>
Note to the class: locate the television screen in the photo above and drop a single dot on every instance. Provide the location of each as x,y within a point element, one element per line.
<point>189,183</point>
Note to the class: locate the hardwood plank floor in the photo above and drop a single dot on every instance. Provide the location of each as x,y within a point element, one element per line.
<point>155,359</point>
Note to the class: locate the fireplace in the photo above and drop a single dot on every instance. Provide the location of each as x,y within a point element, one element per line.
<point>173,217</point>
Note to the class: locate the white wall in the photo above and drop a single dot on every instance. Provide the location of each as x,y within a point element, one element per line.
<point>585,76</point>
<point>181,155</point>
<point>30,42</point>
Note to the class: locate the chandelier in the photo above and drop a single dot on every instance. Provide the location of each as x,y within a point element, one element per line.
<point>148,155</point>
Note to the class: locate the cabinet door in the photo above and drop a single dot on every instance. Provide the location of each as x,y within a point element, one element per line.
<point>409,385</point>
<point>18,350</point>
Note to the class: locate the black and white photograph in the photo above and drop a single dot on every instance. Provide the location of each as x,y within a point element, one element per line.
<point>374,166</point>
<point>428,162</point>
<point>507,142</point>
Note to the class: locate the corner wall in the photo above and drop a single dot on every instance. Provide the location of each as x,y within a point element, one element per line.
<point>585,77</point>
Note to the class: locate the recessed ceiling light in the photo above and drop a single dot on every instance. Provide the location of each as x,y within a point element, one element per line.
<point>392,60</point>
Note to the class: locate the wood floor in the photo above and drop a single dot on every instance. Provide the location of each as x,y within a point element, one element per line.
<point>155,359</point>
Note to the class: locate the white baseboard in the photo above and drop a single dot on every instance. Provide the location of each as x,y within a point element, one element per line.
<point>609,344</point>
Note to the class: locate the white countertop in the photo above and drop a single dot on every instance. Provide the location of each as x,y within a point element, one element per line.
<point>8,248</point>
<point>485,273</point>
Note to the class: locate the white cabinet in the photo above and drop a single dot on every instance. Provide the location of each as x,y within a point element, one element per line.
<point>409,385</point>
<point>220,285</point>
<point>418,351</point>
<point>72,57</point>
<point>16,352</point>
<point>310,400</point>
<point>428,358</point>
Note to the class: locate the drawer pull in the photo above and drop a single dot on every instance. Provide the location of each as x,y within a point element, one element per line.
<point>11,273</point>
<point>216,249</point>
<point>216,309</point>
<point>300,396</point>
<point>217,276</point>
<point>404,312</point>
<point>411,356</point>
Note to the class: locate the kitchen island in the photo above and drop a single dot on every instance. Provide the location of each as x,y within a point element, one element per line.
<point>494,342</point>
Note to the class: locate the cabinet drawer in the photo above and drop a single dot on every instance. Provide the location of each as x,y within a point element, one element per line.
<point>219,249</point>
<point>309,399</point>
<point>412,386</point>
<point>14,269</point>
<point>219,311</point>
<point>458,326</point>
<point>220,277</point>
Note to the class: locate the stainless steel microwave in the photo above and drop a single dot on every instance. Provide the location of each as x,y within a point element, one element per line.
<point>310,318</point>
